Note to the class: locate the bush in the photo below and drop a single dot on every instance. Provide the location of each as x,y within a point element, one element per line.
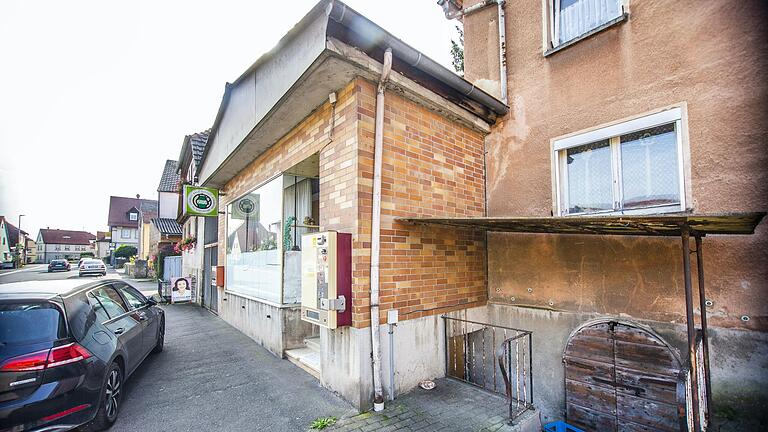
<point>125,251</point>
<point>87,255</point>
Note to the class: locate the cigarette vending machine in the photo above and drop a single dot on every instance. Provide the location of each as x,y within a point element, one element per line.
<point>326,279</point>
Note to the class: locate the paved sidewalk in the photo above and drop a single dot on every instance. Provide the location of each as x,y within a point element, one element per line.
<point>211,377</point>
<point>450,406</point>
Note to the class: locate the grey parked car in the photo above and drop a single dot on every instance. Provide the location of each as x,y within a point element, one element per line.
<point>67,347</point>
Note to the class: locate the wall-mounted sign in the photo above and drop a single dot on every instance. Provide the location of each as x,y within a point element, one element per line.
<point>181,290</point>
<point>200,201</point>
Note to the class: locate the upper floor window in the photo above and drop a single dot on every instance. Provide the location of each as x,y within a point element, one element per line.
<point>571,19</point>
<point>125,233</point>
<point>66,247</point>
<point>133,216</point>
<point>631,167</point>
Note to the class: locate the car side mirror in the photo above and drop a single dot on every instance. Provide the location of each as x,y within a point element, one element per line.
<point>151,301</point>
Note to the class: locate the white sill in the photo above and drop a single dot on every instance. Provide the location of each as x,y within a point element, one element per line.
<point>647,211</point>
<point>618,20</point>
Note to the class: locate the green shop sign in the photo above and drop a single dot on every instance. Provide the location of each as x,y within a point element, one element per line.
<point>200,201</point>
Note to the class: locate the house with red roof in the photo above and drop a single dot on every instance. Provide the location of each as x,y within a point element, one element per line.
<point>9,239</point>
<point>63,244</point>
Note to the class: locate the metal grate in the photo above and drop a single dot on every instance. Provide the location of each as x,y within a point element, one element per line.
<point>495,358</point>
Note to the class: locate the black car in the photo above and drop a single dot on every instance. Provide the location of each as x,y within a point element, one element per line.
<point>66,347</point>
<point>58,264</point>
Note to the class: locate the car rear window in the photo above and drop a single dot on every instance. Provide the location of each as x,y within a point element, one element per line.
<point>31,322</point>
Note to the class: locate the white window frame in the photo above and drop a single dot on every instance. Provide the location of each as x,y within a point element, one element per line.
<point>125,233</point>
<point>133,216</point>
<point>613,133</point>
<point>550,10</point>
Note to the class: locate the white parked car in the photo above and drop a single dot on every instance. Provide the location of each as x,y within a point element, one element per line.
<point>92,266</point>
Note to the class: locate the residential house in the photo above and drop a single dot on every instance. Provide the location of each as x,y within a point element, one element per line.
<point>300,158</point>
<point>103,239</point>
<point>626,109</point>
<point>149,211</point>
<point>63,244</point>
<point>123,220</point>
<point>164,229</point>
<point>197,256</point>
<point>10,238</point>
<point>30,250</point>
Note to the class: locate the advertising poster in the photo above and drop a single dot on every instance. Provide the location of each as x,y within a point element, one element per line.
<point>181,290</point>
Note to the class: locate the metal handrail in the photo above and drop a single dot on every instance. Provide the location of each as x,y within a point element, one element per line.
<point>466,360</point>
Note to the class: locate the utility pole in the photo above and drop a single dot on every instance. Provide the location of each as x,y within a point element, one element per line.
<point>21,253</point>
<point>140,224</point>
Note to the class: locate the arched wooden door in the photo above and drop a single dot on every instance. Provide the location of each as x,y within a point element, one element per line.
<point>620,377</point>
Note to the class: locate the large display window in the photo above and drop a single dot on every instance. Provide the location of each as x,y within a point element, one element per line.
<point>254,246</point>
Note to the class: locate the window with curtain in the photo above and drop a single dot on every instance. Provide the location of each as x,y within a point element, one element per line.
<point>254,246</point>
<point>574,18</point>
<point>297,199</point>
<point>634,167</point>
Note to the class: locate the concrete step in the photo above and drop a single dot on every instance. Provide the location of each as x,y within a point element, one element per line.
<point>305,358</point>
<point>313,343</point>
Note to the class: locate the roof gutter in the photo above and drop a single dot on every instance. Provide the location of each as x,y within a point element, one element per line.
<point>375,35</point>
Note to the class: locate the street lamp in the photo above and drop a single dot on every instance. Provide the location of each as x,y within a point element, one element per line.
<point>140,225</point>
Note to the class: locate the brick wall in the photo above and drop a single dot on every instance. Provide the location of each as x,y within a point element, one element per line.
<point>431,167</point>
<point>337,170</point>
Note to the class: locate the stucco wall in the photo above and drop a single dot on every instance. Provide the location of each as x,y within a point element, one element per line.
<point>708,56</point>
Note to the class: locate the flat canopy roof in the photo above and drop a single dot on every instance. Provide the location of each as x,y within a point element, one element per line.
<point>642,225</point>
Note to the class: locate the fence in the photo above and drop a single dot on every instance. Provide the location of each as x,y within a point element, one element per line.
<point>495,358</point>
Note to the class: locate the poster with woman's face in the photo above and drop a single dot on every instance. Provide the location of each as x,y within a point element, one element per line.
<point>181,290</point>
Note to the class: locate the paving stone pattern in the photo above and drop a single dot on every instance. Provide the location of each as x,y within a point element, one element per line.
<point>450,406</point>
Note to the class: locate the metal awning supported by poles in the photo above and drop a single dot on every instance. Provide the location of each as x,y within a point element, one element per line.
<point>683,225</point>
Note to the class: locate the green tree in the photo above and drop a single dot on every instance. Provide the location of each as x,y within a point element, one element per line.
<point>457,52</point>
<point>125,251</point>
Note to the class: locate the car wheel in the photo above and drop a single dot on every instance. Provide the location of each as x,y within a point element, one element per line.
<point>109,403</point>
<point>160,338</point>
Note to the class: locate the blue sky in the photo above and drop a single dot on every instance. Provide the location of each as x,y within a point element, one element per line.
<point>96,95</point>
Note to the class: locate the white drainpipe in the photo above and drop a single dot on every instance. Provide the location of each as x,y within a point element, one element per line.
<point>378,149</point>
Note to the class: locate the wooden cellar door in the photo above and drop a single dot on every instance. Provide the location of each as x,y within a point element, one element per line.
<point>620,378</point>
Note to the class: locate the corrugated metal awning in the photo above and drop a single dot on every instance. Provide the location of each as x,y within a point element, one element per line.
<point>641,225</point>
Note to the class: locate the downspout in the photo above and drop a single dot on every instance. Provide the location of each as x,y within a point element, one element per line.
<point>378,149</point>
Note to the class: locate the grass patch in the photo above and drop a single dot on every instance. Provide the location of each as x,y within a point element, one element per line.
<point>322,423</point>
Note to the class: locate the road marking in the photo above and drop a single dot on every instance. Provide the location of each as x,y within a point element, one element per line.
<point>35,267</point>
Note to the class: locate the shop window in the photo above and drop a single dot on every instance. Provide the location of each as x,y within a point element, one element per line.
<point>254,246</point>
<point>631,167</point>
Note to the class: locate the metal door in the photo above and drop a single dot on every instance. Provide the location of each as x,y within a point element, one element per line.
<point>619,377</point>
<point>210,291</point>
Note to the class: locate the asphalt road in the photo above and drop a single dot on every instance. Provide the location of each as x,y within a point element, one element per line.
<point>39,272</point>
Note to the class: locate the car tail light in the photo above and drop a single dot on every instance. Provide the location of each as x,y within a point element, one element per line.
<point>28,362</point>
<point>40,360</point>
<point>66,354</point>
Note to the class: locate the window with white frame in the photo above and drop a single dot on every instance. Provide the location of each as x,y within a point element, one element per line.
<point>631,167</point>
<point>125,233</point>
<point>133,216</point>
<point>570,19</point>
